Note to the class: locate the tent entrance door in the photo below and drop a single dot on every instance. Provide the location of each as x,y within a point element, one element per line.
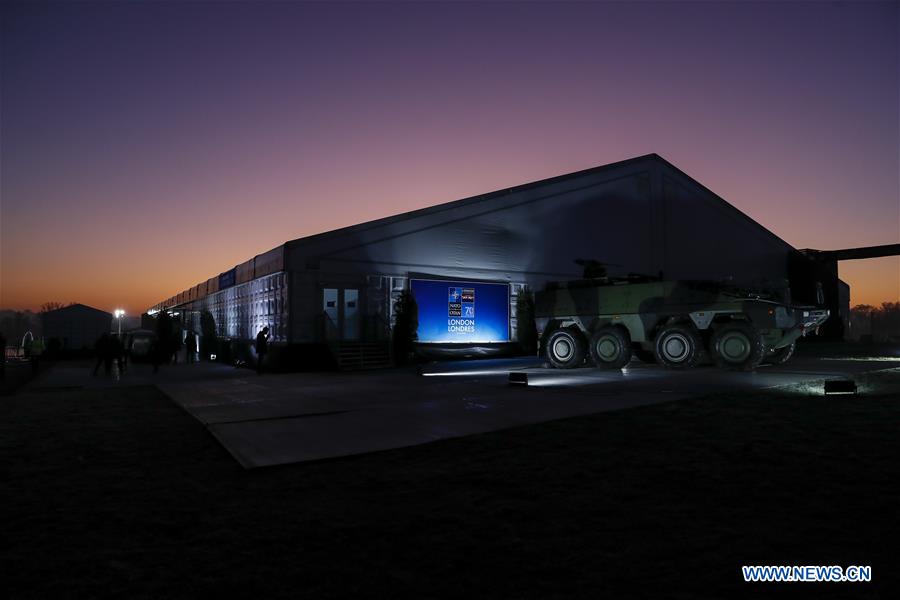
<point>342,316</point>
<point>350,317</point>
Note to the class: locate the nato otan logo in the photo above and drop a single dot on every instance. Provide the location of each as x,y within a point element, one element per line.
<point>454,302</point>
<point>461,302</point>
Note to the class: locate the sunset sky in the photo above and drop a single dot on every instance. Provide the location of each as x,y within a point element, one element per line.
<point>146,146</point>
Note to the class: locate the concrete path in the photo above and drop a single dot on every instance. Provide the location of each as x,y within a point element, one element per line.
<point>277,419</point>
<point>290,418</point>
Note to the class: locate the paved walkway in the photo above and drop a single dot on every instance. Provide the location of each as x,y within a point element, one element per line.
<point>277,419</point>
<point>290,418</point>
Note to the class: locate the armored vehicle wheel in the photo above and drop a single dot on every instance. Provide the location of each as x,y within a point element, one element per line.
<point>645,356</point>
<point>610,347</point>
<point>678,346</point>
<point>737,346</point>
<point>565,349</point>
<point>782,355</point>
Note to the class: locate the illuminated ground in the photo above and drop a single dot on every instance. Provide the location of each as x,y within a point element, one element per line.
<point>279,419</point>
<point>116,492</point>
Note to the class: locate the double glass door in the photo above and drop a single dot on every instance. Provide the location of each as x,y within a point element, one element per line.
<point>341,308</point>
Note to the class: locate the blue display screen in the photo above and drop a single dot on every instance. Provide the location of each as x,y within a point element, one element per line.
<point>461,311</point>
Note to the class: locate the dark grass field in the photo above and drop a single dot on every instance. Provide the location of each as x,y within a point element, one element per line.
<point>118,493</point>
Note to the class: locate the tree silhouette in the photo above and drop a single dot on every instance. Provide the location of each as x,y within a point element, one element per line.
<point>875,323</point>
<point>53,305</point>
<point>525,326</point>
<point>406,326</point>
<point>208,340</point>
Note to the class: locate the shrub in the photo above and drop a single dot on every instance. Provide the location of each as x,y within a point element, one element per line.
<point>167,337</point>
<point>209,342</point>
<point>525,326</point>
<point>406,325</point>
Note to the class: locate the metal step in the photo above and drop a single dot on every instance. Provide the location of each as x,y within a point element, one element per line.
<point>353,356</point>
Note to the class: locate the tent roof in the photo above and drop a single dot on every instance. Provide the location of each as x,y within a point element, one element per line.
<point>453,204</point>
<point>81,307</point>
<point>647,159</point>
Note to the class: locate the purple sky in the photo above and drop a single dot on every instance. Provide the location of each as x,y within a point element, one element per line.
<point>146,146</point>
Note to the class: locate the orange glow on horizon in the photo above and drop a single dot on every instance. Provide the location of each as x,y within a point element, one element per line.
<point>154,271</point>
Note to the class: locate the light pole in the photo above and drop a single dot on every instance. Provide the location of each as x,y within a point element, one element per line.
<point>119,314</point>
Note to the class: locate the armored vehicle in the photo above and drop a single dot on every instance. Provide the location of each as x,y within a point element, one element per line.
<point>674,323</point>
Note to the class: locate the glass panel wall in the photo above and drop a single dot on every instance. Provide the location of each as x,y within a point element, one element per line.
<point>241,311</point>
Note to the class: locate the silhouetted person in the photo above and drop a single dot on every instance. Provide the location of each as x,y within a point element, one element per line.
<point>104,353</point>
<point>262,348</point>
<point>156,354</point>
<point>129,345</point>
<point>117,352</point>
<point>2,357</point>
<point>37,349</point>
<point>175,346</point>
<point>190,346</point>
